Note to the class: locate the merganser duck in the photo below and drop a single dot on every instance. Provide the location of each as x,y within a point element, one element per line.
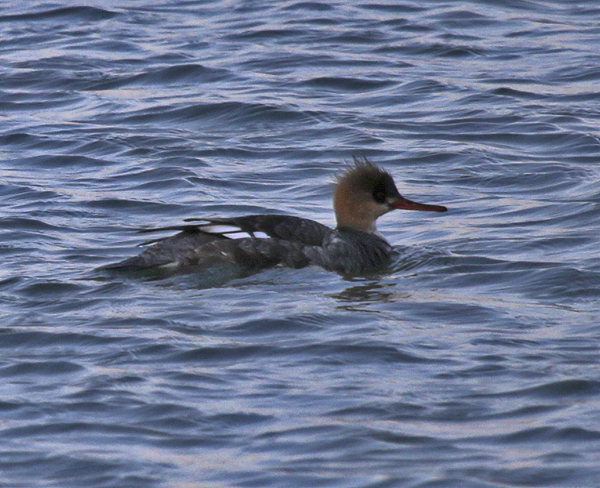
<point>363,194</point>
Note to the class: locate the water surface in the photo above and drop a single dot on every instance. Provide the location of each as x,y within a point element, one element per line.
<point>472,363</point>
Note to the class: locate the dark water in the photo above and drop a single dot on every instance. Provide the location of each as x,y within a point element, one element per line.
<point>472,363</point>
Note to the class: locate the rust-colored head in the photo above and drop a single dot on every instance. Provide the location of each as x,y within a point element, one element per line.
<point>365,192</point>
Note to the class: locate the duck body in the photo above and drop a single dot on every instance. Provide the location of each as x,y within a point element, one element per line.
<point>263,241</point>
<point>256,242</point>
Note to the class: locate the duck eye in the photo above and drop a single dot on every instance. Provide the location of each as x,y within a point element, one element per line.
<point>379,195</point>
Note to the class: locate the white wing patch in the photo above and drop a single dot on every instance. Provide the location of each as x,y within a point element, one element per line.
<point>231,231</point>
<point>219,228</point>
<point>238,235</point>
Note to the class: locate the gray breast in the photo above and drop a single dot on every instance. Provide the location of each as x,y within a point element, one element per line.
<point>351,252</point>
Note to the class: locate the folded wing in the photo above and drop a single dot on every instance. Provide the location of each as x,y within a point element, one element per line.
<point>253,240</point>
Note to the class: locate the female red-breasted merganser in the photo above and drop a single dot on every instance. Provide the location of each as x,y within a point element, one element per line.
<point>363,194</point>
